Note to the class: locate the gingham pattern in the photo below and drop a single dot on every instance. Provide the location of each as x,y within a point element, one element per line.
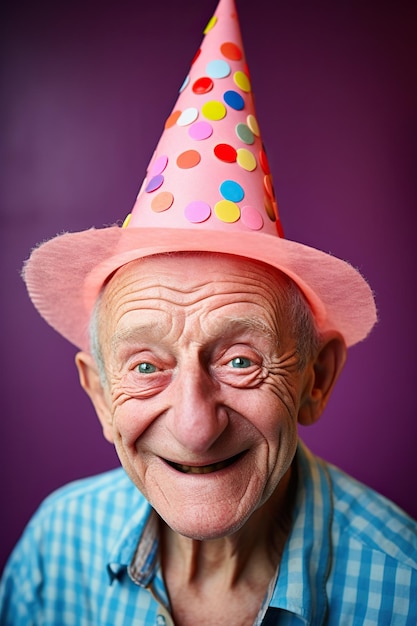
<point>351,558</point>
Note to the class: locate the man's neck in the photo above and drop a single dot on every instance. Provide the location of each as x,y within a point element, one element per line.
<point>231,560</point>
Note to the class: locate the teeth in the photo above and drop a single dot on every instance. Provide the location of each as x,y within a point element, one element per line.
<point>204,469</point>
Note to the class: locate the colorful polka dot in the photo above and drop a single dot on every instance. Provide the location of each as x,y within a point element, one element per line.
<point>172,119</point>
<point>154,183</point>
<point>280,229</point>
<point>263,160</point>
<point>210,25</point>
<point>269,188</point>
<point>188,116</point>
<point>200,131</point>
<point>231,51</point>
<point>246,159</point>
<point>227,211</point>
<point>234,100</point>
<point>203,85</point>
<point>242,81</point>
<point>158,165</point>
<point>275,207</point>
<point>195,57</point>
<point>197,212</point>
<point>127,220</point>
<point>225,153</point>
<point>269,208</point>
<point>189,158</point>
<point>214,110</point>
<point>252,218</point>
<point>252,122</point>
<point>218,69</point>
<point>185,83</point>
<point>244,133</point>
<point>162,201</point>
<point>231,190</point>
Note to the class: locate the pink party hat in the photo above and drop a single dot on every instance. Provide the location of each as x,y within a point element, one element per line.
<point>210,168</point>
<point>208,188</point>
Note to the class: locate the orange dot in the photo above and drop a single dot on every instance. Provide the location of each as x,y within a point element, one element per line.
<point>172,119</point>
<point>269,208</point>
<point>189,158</point>
<point>231,51</point>
<point>162,201</point>
<point>269,188</point>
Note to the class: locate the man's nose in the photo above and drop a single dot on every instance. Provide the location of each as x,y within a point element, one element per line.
<point>196,417</point>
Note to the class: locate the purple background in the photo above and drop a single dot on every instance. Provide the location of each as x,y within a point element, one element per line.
<point>87,88</point>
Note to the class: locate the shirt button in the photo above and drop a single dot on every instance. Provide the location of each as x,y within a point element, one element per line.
<point>160,621</point>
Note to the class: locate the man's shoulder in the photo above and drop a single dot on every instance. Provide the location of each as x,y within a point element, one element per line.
<point>99,487</point>
<point>364,516</point>
<point>110,496</point>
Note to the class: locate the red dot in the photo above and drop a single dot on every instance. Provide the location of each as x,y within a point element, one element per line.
<point>231,51</point>
<point>203,85</point>
<point>279,228</point>
<point>263,160</point>
<point>197,54</point>
<point>226,153</point>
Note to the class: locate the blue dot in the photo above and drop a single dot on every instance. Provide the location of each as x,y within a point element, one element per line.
<point>232,191</point>
<point>234,100</point>
<point>218,69</point>
<point>185,83</point>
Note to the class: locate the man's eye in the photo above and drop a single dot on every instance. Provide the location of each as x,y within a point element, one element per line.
<point>240,362</point>
<point>146,368</point>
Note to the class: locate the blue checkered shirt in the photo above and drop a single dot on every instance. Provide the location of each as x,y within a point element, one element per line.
<point>89,557</point>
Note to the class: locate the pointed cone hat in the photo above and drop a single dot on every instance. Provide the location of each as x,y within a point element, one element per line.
<point>208,188</point>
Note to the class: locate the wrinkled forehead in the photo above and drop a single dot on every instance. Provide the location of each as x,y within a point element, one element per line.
<point>193,279</point>
<point>198,267</point>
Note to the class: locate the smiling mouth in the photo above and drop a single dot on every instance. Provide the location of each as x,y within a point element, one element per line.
<point>205,469</point>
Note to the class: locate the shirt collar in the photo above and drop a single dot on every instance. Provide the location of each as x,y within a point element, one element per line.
<point>305,563</point>
<point>128,542</point>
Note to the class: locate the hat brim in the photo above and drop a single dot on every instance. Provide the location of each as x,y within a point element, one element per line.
<point>65,274</point>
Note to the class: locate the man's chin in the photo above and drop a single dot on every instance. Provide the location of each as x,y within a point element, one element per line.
<point>204,530</point>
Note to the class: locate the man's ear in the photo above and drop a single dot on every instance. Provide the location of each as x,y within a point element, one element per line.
<point>91,383</point>
<point>320,377</point>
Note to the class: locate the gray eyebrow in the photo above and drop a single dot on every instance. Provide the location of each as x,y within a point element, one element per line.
<point>133,333</point>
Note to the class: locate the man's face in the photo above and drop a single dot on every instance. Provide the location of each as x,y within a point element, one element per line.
<point>203,387</point>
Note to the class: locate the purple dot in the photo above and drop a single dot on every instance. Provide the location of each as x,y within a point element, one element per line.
<point>200,130</point>
<point>197,211</point>
<point>154,183</point>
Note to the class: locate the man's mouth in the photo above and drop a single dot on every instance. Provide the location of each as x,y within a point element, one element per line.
<point>205,469</point>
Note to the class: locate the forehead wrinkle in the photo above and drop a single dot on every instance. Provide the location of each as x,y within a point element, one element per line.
<point>134,333</point>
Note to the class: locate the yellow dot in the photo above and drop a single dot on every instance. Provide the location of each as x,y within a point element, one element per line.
<point>246,159</point>
<point>127,220</point>
<point>227,211</point>
<point>252,122</point>
<point>213,110</point>
<point>242,81</point>
<point>212,22</point>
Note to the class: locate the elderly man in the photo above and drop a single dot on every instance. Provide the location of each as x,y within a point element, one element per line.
<point>205,338</point>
